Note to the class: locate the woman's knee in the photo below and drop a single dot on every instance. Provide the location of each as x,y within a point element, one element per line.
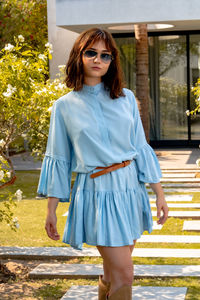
<point>125,272</point>
<point>119,261</point>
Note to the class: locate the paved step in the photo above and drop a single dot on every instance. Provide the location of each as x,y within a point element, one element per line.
<point>67,252</point>
<point>178,175</point>
<point>178,190</point>
<point>178,171</point>
<point>180,205</point>
<point>186,181</point>
<point>180,185</point>
<point>94,270</point>
<point>157,226</point>
<point>150,238</point>
<point>88,292</point>
<point>191,225</point>
<point>182,190</point>
<point>174,198</point>
<point>181,214</point>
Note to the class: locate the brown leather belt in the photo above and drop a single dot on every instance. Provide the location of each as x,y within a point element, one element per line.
<point>110,168</point>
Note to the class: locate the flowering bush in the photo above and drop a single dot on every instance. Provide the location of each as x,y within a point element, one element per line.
<point>26,96</point>
<point>198,162</point>
<point>196,92</point>
<point>6,213</point>
<point>26,16</point>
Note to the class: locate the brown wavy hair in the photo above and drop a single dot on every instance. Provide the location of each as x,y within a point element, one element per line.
<point>113,79</point>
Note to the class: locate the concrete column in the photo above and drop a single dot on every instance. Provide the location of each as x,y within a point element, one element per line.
<point>61,39</point>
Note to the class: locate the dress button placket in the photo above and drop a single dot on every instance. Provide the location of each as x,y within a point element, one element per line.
<point>101,121</point>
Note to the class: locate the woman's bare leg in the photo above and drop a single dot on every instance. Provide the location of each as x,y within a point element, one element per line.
<point>118,266</point>
<point>106,266</point>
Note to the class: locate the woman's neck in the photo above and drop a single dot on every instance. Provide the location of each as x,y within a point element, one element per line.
<point>91,81</point>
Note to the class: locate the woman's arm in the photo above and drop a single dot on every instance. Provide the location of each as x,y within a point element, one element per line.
<point>51,219</point>
<point>160,202</point>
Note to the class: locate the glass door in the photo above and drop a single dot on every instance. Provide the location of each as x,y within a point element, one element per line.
<point>172,63</point>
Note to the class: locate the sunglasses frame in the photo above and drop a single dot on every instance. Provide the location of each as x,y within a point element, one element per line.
<point>102,59</point>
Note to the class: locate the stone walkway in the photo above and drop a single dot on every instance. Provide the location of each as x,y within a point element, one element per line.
<point>88,292</point>
<point>174,198</point>
<point>181,214</point>
<point>69,252</point>
<point>94,270</point>
<point>191,225</point>
<point>181,205</point>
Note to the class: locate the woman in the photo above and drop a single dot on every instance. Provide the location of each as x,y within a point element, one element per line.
<point>96,131</point>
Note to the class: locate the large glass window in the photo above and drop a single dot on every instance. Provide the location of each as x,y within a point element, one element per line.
<point>126,47</point>
<point>169,60</point>
<point>170,79</point>
<point>194,75</point>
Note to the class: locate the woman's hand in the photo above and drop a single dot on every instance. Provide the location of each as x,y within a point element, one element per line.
<point>161,206</point>
<point>50,227</point>
<point>160,203</point>
<point>51,219</point>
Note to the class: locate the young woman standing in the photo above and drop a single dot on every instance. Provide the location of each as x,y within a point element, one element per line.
<point>96,131</point>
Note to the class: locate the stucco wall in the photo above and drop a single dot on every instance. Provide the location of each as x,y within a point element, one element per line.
<point>61,39</point>
<point>93,12</point>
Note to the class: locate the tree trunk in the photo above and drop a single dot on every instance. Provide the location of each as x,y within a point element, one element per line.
<point>142,70</point>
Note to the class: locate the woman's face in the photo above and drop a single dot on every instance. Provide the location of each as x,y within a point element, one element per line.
<point>94,67</point>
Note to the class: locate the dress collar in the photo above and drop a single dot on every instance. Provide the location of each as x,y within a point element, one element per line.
<point>93,89</point>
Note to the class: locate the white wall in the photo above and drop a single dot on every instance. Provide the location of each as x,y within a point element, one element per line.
<point>61,39</point>
<point>94,12</point>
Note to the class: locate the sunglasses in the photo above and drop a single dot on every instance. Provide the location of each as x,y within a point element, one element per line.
<point>105,57</point>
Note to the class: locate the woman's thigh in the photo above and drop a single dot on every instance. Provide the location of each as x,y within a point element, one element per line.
<point>131,247</point>
<point>116,257</point>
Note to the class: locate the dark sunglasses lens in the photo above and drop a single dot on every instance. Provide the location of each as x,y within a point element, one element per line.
<point>106,57</point>
<point>90,53</point>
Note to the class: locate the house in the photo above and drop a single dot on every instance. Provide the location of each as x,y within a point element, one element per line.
<point>174,54</point>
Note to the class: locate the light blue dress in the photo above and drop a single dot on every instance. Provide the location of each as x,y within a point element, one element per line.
<point>89,129</point>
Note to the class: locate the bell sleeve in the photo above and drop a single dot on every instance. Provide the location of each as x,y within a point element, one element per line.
<point>55,175</point>
<point>146,160</point>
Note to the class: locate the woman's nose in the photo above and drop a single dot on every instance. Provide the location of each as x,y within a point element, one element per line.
<point>97,58</point>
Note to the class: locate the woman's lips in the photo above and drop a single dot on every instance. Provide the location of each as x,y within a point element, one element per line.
<point>96,68</point>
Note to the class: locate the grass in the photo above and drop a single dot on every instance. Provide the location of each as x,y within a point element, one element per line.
<point>59,287</point>
<point>32,213</point>
<point>45,289</point>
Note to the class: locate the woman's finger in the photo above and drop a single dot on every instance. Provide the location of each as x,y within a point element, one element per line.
<point>164,217</point>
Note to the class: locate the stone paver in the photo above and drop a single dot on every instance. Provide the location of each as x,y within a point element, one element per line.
<point>178,181</point>
<point>150,238</point>
<point>24,161</point>
<point>180,205</point>
<point>188,186</point>
<point>179,171</point>
<point>180,184</point>
<point>181,214</point>
<point>191,225</point>
<point>166,252</point>
<point>94,270</point>
<point>65,214</point>
<point>66,252</point>
<point>88,292</point>
<point>157,226</point>
<point>178,175</point>
<point>181,190</point>
<point>178,158</point>
<point>178,190</point>
<point>174,198</point>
